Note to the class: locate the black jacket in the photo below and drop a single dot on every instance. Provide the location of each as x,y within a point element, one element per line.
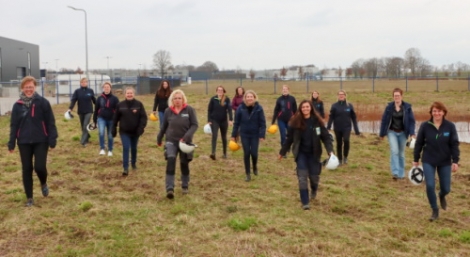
<point>85,97</point>
<point>35,124</point>
<point>319,107</point>
<point>218,112</point>
<point>341,115</point>
<point>160,103</point>
<point>440,146</point>
<point>131,117</point>
<point>105,107</point>
<point>285,107</point>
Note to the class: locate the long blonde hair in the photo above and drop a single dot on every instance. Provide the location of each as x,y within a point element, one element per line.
<point>250,92</point>
<point>222,101</point>
<point>172,95</point>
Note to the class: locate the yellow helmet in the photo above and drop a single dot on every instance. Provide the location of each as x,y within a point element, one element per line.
<point>233,146</point>
<point>153,117</point>
<point>272,129</point>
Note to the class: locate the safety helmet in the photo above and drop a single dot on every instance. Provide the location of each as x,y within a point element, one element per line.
<point>233,146</point>
<point>332,163</point>
<point>187,147</point>
<point>332,137</point>
<point>91,126</point>
<point>412,143</point>
<point>68,115</point>
<point>272,129</point>
<point>416,175</point>
<point>207,129</point>
<point>153,117</point>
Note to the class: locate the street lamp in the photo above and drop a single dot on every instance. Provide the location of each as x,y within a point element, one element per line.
<point>109,71</point>
<point>86,38</point>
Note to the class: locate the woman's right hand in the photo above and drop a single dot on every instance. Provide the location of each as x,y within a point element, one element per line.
<point>415,164</point>
<point>233,139</point>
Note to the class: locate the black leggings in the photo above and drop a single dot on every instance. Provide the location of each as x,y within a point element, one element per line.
<point>342,136</point>
<point>39,152</point>
<point>223,133</point>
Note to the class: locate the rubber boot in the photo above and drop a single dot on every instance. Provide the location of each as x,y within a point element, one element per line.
<point>435,215</point>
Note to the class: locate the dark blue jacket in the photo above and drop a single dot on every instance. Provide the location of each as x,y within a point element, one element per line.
<point>85,97</point>
<point>35,124</point>
<point>440,146</point>
<point>253,124</point>
<point>318,105</point>
<point>105,107</point>
<point>218,112</point>
<point>409,121</point>
<point>285,108</point>
<point>341,115</point>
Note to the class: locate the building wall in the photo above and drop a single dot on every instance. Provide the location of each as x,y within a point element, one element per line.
<point>14,63</point>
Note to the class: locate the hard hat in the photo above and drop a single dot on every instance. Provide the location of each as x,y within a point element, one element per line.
<point>233,146</point>
<point>416,175</point>
<point>332,137</point>
<point>272,129</point>
<point>332,163</point>
<point>187,147</point>
<point>153,117</point>
<point>207,129</point>
<point>68,115</point>
<point>412,143</point>
<point>91,126</point>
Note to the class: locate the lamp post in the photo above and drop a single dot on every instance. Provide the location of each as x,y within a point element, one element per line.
<point>86,38</point>
<point>109,71</point>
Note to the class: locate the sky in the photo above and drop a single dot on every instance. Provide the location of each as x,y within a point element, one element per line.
<point>242,34</point>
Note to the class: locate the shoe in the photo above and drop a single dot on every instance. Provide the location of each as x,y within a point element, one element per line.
<point>255,172</point>
<point>284,156</point>
<point>443,201</point>
<point>170,194</point>
<point>29,202</point>
<point>248,178</point>
<point>395,177</point>
<point>313,195</point>
<point>185,191</point>
<point>110,153</point>
<point>345,161</point>
<point>224,156</point>
<point>45,190</point>
<point>125,172</point>
<point>102,152</point>
<point>84,145</point>
<point>134,167</point>
<point>306,207</point>
<point>435,215</point>
<point>212,156</point>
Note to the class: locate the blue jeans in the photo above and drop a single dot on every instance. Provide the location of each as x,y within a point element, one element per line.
<point>105,124</point>
<point>397,142</point>
<point>444,174</point>
<point>282,130</point>
<point>129,141</point>
<point>160,118</point>
<point>250,146</point>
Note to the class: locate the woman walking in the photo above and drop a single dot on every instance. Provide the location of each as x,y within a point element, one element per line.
<point>179,125</point>
<point>341,115</point>
<point>85,97</point>
<point>398,123</point>
<point>251,123</point>
<point>132,119</point>
<point>305,134</point>
<point>105,108</point>
<point>32,127</point>
<point>439,143</point>
<point>284,109</point>
<point>217,111</point>
<point>318,103</point>
<point>160,101</point>
<point>238,98</point>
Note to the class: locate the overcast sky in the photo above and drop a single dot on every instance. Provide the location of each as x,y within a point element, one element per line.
<point>258,34</point>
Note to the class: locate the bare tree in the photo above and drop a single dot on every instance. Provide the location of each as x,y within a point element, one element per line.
<point>412,60</point>
<point>356,67</point>
<point>208,66</point>
<point>393,66</point>
<point>162,61</point>
<point>252,75</point>
<point>283,72</point>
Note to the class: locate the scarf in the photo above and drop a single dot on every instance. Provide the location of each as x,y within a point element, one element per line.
<point>27,100</point>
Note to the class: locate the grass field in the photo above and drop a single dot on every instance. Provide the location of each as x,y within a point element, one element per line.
<point>359,211</point>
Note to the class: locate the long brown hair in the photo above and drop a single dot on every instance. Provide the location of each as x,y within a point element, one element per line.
<point>222,101</point>
<point>236,91</point>
<point>318,98</point>
<point>164,92</point>
<point>298,121</point>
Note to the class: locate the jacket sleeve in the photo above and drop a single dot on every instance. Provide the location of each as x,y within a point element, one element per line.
<point>97,108</point>
<point>383,123</point>
<point>276,110</point>
<point>236,123</point>
<point>354,120</point>
<point>164,126</point>
<point>73,100</point>
<point>142,120</point>
<point>331,117</point>
<point>454,145</point>
<point>326,139</point>
<point>294,108</point>
<point>14,126</point>
<point>93,98</point>
<point>209,110</point>
<point>155,103</point>
<point>116,118</point>
<point>229,110</point>
<point>188,136</point>
<point>289,140</point>
<point>51,127</point>
<point>420,141</point>
<point>412,122</point>
<point>262,123</point>
<point>322,110</point>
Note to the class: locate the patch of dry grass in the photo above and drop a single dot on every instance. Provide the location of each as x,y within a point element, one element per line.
<point>93,211</point>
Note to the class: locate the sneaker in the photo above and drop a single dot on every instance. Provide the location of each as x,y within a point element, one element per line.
<point>224,156</point>
<point>248,178</point>
<point>170,194</point>
<point>306,207</point>
<point>29,202</point>
<point>284,156</point>
<point>185,191</point>
<point>442,200</point>
<point>125,172</point>
<point>345,161</point>
<point>212,156</point>
<point>102,152</point>
<point>313,195</point>
<point>395,177</point>
<point>110,153</point>
<point>45,190</point>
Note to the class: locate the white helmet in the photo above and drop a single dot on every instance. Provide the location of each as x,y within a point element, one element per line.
<point>187,147</point>
<point>416,175</point>
<point>91,126</point>
<point>68,115</point>
<point>332,163</point>
<point>207,129</point>
<point>412,143</point>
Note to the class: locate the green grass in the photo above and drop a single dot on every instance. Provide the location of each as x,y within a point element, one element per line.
<point>359,211</point>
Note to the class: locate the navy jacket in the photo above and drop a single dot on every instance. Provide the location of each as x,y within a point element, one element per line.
<point>285,108</point>
<point>319,107</point>
<point>440,147</point>
<point>85,97</point>
<point>105,107</point>
<point>35,124</point>
<point>341,115</point>
<point>253,124</point>
<point>409,121</point>
<point>218,112</point>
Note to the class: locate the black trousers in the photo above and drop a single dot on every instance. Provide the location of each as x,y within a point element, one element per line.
<point>223,126</point>
<point>342,137</point>
<point>37,151</point>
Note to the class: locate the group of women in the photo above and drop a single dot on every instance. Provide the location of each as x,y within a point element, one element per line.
<point>302,130</point>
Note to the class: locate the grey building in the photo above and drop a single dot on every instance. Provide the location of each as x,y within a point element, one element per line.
<point>18,59</point>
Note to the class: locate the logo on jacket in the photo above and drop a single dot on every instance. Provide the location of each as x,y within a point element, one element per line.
<point>348,109</point>
<point>185,115</point>
<point>446,134</point>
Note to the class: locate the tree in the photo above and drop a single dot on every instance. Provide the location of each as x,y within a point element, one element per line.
<point>393,66</point>
<point>208,66</point>
<point>340,72</point>
<point>413,60</point>
<point>283,72</point>
<point>301,73</point>
<point>162,60</point>
<point>79,71</point>
<point>252,75</point>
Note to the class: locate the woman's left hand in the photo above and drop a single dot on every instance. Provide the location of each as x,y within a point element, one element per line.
<point>230,123</point>
<point>261,139</point>
<point>455,167</point>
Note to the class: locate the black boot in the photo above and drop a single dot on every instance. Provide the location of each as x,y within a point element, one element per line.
<point>442,199</point>
<point>435,215</point>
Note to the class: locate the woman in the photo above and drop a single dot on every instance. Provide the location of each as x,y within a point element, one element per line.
<point>160,102</point>
<point>132,119</point>
<point>439,142</point>
<point>251,123</point>
<point>306,129</point>
<point>32,127</point>
<point>238,98</point>
<point>179,124</point>
<point>341,115</point>
<point>284,109</point>
<point>398,123</point>
<point>85,98</point>
<point>105,108</point>
<point>318,103</point>
<point>217,112</point>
